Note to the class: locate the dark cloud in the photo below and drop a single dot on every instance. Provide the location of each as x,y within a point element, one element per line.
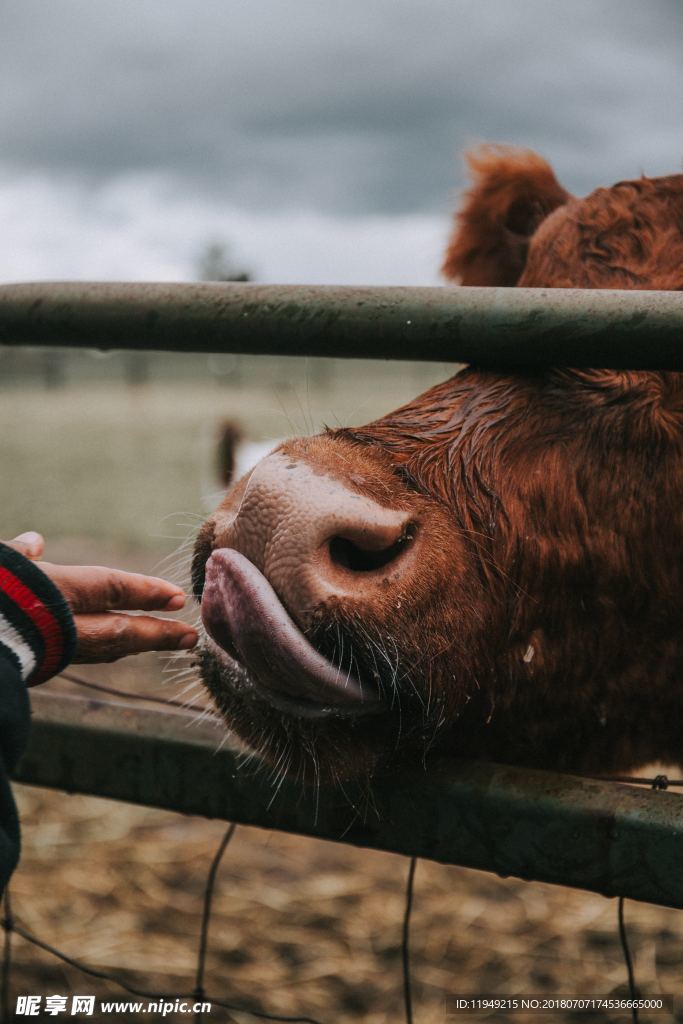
<point>348,108</point>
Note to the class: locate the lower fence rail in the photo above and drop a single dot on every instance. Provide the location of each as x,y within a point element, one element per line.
<point>598,835</point>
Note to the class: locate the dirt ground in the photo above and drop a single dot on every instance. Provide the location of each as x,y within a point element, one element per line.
<point>302,926</point>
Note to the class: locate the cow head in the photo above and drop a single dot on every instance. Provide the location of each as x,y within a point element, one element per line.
<point>493,569</point>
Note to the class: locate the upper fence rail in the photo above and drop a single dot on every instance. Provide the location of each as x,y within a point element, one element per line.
<point>496,327</point>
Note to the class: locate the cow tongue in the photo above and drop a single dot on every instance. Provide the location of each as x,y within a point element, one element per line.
<point>242,612</point>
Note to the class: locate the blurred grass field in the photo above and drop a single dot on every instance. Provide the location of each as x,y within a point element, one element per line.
<point>106,461</point>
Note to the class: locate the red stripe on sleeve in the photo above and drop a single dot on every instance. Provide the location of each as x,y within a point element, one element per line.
<point>43,620</point>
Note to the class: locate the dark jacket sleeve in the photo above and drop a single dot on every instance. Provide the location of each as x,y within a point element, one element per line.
<point>37,640</point>
<point>14,724</point>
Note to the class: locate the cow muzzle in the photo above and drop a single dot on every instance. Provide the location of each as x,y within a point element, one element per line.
<point>297,543</point>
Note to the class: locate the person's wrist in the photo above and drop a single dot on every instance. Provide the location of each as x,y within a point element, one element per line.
<point>36,625</point>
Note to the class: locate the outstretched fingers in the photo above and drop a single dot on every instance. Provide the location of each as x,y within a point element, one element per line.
<point>112,635</point>
<point>93,588</point>
<point>100,600</point>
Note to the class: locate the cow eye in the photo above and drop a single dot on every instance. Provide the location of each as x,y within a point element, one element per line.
<point>407,478</point>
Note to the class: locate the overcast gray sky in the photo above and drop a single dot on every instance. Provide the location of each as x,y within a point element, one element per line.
<point>320,138</point>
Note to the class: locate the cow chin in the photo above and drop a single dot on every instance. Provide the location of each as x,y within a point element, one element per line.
<point>307,742</point>
<point>387,700</point>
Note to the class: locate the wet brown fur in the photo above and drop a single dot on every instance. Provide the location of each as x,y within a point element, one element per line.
<point>546,627</point>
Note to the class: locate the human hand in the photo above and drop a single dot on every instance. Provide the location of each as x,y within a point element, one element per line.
<point>99,599</point>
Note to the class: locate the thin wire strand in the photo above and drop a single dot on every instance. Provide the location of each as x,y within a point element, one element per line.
<point>658,782</point>
<point>206,915</point>
<point>145,993</point>
<point>8,924</point>
<point>405,943</point>
<point>168,701</point>
<point>623,938</point>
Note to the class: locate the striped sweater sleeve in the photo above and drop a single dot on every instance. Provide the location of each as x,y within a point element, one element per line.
<point>37,640</point>
<point>37,632</point>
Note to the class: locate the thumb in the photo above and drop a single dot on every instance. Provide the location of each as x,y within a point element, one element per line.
<point>30,544</point>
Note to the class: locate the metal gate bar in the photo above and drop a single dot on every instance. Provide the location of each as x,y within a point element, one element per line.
<point>601,836</point>
<point>510,327</point>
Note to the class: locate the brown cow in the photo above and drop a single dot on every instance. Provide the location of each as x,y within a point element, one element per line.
<point>495,568</point>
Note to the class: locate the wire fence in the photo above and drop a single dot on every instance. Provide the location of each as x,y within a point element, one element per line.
<point>201,993</point>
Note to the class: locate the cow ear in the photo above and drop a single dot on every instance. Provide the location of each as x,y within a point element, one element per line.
<point>512,191</point>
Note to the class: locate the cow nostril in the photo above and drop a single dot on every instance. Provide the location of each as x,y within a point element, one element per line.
<point>349,555</point>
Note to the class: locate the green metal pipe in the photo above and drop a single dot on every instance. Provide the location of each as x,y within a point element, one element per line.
<point>596,835</point>
<point>506,327</point>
